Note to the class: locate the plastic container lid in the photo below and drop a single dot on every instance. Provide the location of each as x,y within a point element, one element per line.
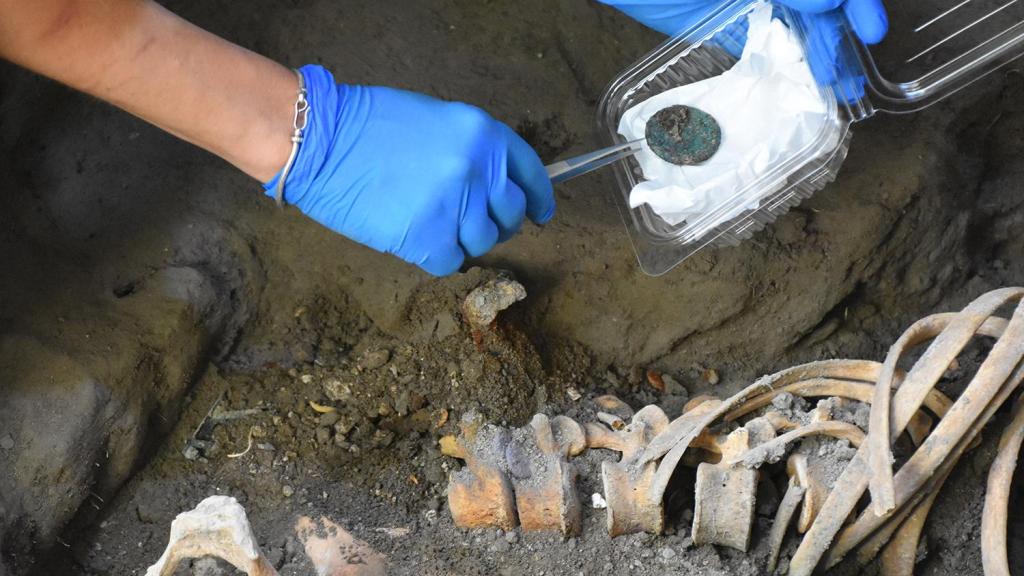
<point>929,54</point>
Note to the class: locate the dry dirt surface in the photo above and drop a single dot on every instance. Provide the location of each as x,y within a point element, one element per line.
<point>147,286</point>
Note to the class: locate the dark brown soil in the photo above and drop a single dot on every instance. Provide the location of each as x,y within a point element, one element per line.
<point>145,281</point>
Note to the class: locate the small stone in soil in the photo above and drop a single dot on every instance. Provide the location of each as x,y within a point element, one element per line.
<point>683,135</point>
<point>323,435</point>
<point>374,359</point>
<point>7,442</point>
<point>287,491</point>
<point>329,419</point>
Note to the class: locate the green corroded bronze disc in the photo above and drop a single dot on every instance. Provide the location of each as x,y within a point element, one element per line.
<point>683,135</point>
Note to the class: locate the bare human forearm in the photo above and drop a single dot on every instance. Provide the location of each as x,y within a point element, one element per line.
<point>144,59</point>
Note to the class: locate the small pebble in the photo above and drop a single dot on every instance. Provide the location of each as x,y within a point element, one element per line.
<point>597,501</point>
<point>668,553</point>
<point>7,442</point>
<point>329,419</point>
<point>375,359</point>
<point>323,435</point>
<point>711,376</point>
<point>288,491</point>
<point>190,452</point>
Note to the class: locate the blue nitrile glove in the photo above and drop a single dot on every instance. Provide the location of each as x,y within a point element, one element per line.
<point>429,181</point>
<point>823,20</point>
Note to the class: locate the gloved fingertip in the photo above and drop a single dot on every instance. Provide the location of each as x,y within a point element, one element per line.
<point>869,19</point>
<point>813,6</point>
<point>443,266</point>
<point>545,217</point>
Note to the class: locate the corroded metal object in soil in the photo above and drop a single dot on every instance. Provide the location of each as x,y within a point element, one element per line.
<point>683,135</point>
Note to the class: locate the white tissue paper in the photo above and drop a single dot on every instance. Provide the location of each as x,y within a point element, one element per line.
<point>768,107</point>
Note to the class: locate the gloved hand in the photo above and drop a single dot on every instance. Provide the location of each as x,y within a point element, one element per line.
<point>426,180</point>
<point>823,20</point>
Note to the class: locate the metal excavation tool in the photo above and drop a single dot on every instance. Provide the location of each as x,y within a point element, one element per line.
<point>681,135</point>
<point>565,169</point>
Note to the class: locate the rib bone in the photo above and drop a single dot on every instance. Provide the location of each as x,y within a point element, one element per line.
<point>852,483</point>
<point>997,496</point>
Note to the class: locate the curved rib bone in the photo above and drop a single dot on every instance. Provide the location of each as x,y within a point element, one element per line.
<point>996,378</point>
<point>854,480</point>
<point>900,555</point>
<point>936,401</point>
<point>997,496</point>
<point>783,516</point>
<point>762,453</point>
<point>674,441</point>
<point>216,527</point>
<point>952,337</point>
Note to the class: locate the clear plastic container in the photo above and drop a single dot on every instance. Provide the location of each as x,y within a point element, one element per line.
<point>929,54</point>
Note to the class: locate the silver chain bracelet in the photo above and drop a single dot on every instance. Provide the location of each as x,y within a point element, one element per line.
<point>299,122</point>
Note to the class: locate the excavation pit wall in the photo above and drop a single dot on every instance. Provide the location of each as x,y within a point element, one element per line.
<point>144,280</point>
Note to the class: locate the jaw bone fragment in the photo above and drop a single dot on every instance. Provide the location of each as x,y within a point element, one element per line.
<point>725,494</point>
<point>480,495</point>
<point>216,527</point>
<point>542,476</point>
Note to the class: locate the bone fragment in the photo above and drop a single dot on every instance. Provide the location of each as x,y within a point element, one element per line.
<point>725,495</point>
<point>783,516</point>
<point>480,495</point>
<point>997,496</point>
<point>773,450</point>
<point>815,490</point>
<point>545,491</point>
<point>335,552</point>
<point>611,420</point>
<point>612,405</point>
<point>625,485</point>
<point>217,527</point>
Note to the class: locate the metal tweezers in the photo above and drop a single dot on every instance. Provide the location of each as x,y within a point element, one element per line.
<point>565,169</point>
